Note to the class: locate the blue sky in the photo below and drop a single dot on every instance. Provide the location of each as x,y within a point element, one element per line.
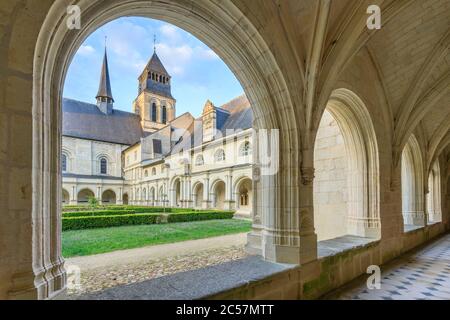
<point>197,72</point>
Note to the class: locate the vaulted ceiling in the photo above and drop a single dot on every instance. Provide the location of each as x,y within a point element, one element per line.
<point>410,53</point>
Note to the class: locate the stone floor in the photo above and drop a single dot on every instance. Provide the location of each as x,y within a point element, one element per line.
<point>422,275</point>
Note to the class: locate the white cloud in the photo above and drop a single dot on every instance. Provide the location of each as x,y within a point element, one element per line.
<point>86,50</point>
<point>169,32</point>
<point>175,58</point>
<point>207,54</point>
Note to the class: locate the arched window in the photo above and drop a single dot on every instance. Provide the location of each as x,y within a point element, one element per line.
<point>164,115</point>
<point>146,173</point>
<point>64,163</point>
<point>245,149</point>
<point>219,156</point>
<point>244,199</point>
<point>153,171</point>
<point>103,166</point>
<point>154,112</point>
<point>199,161</point>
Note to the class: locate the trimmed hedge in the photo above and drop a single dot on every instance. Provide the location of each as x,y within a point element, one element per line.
<point>90,222</point>
<point>198,216</point>
<point>141,209</point>
<point>106,219</point>
<point>97,213</point>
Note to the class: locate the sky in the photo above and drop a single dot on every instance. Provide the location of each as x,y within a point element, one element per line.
<point>198,74</point>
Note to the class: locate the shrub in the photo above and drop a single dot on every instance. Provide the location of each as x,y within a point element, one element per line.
<point>89,222</point>
<point>93,202</point>
<point>199,215</point>
<point>97,213</point>
<point>115,218</point>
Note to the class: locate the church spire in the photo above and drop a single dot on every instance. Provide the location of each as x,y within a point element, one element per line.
<point>104,96</point>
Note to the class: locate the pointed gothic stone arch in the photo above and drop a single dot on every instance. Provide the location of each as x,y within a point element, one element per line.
<point>434,203</point>
<point>356,190</point>
<point>238,42</point>
<point>412,185</point>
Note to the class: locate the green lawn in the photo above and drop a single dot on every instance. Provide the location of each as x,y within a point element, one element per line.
<point>94,241</point>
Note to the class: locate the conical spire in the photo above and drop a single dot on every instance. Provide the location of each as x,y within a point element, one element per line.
<point>104,89</point>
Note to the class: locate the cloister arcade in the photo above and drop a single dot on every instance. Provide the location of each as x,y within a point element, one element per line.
<point>382,108</point>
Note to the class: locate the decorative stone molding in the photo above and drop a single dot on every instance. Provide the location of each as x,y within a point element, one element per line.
<point>307,175</point>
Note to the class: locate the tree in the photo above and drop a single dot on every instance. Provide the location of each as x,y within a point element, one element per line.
<point>93,202</point>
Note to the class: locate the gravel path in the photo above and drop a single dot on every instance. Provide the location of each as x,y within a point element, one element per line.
<point>113,272</point>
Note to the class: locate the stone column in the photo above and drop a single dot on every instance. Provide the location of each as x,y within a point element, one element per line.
<point>73,195</point>
<point>229,203</point>
<point>119,197</point>
<point>283,220</point>
<point>99,194</point>
<point>206,200</point>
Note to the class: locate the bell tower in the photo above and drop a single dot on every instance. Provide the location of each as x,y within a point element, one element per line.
<point>154,104</point>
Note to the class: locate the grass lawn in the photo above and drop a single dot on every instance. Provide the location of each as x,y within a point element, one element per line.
<point>94,241</point>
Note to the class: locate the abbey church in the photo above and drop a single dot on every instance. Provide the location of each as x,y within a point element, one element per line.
<point>152,156</point>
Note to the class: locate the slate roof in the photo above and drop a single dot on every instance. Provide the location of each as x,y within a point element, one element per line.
<point>156,65</point>
<point>240,116</point>
<point>84,120</point>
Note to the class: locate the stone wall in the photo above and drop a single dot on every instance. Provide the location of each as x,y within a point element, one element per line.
<point>330,182</point>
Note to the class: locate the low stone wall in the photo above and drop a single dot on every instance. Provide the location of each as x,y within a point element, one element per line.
<point>313,280</point>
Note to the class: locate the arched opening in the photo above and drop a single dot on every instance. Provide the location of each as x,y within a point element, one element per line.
<point>109,197</point>
<point>84,196</point>
<point>244,197</point>
<point>346,187</point>
<point>65,197</point>
<point>434,206</point>
<point>125,199</point>
<point>218,195</point>
<point>254,66</point>
<point>103,165</point>
<point>164,115</point>
<point>154,114</point>
<point>64,162</point>
<point>412,186</point>
<point>198,195</point>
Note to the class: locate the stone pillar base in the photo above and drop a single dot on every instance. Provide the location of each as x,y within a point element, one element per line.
<point>229,205</point>
<point>206,204</point>
<point>30,286</point>
<point>263,244</point>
